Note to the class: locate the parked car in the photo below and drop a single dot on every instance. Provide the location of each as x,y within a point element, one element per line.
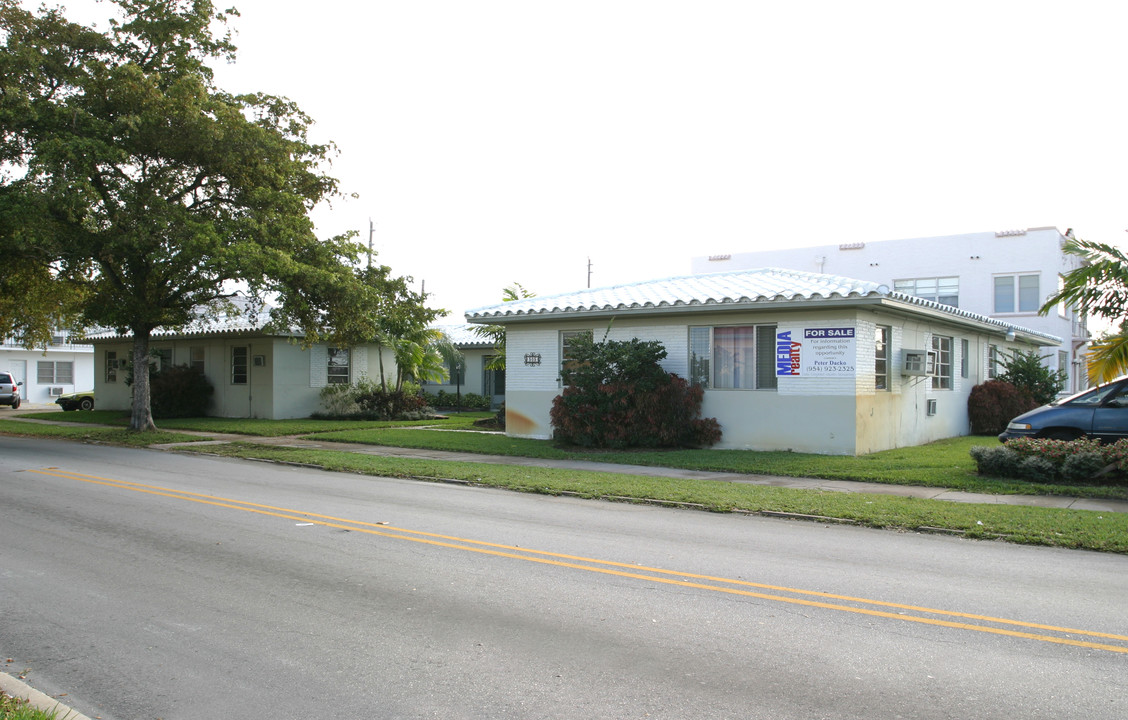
<point>1100,412</point>
<point>76,401</point>
<point>9,390</point>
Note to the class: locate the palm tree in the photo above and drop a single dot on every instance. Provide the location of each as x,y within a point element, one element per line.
<point>496,333</point>
<point>422,355</point>
<point>1099,287</point>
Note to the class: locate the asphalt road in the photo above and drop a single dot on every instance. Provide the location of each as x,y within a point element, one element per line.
<point>152,585</point>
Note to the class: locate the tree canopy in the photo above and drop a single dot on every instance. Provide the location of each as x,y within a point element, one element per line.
<point>1099,288</point>
<point>138,192</point>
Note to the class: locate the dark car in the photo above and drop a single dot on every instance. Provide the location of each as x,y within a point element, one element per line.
<point>1100,412</point>
<point>76,401</point>
<point>9,390</point>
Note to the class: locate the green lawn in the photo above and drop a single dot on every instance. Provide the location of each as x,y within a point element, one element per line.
<point>243,426</point>
<point>1040,526</point>
<point>107,435</point>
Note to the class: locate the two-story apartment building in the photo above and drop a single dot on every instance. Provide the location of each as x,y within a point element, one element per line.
<point>1004,275</point>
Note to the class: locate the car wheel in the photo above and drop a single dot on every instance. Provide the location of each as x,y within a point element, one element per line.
<point>16,404</point>
<point>86,404</point>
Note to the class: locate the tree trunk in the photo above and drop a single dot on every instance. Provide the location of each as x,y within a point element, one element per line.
<point>142,412</point>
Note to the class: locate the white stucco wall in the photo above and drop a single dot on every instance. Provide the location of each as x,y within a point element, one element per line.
<point>25,365</point>
<point>830,414</point>
<point>283,379</point>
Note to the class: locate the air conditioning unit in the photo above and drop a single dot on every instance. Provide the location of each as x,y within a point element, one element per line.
<point>916,362</point>
<point>55,391</point>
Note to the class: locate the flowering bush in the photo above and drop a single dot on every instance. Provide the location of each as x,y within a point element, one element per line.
<point>1048,460</point>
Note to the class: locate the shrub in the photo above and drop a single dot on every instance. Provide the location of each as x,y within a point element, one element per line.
<point>617,395</point>
<point>379,404</point>
<point>993,404</point>
<point>1025,370</point>
<point>1082,466</point>
<point>339,400</point>
<point>1048,460</point>
<point>999,461</point>
<point>1038,469</point>
<point>468,401</point>
<point>180,391</point>
<point>370,401</point>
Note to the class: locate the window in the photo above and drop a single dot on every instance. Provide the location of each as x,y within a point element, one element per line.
<point>944,290</point>
<point>739,358</point>
<point>881,357</point>
<point>964,352</point>
<point>701,356</point>
<point>1016,293</point>
<point>111,366</point>
<point>196,358</point>
<point>338,366</point>
<point>568,339</point>
<point>941,362</point>
<point>55,371</point>
<point>239,366</point>
<point>161,359</point>
<point>992,362</point>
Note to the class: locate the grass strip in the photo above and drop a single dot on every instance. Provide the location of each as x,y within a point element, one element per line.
<point>1107,532</point>
<point>109,436</point>
<point>945,463</point>
<point>256,427</point>
<point>18,708</point>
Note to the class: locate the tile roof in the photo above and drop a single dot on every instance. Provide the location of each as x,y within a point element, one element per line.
<point>236,320</point>
<point>464,335</point>
<point>717,291</point>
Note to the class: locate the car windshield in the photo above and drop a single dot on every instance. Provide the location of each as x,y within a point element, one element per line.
<point>1092,396</point>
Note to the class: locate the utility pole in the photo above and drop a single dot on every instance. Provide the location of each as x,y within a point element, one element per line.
<point>371,230</point>
<point>589,272</point>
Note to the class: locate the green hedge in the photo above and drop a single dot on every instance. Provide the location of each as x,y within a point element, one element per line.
<point>1043,460</point>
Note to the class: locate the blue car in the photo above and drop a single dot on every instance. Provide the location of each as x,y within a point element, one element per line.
<point>1100,412</point>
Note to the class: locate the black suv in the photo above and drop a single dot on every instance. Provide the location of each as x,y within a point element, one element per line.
<point>9,390</point>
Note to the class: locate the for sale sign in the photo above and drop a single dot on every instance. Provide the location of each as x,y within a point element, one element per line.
<point>816,352</point>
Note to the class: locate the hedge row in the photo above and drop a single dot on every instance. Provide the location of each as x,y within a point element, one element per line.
<point>1053,460</point>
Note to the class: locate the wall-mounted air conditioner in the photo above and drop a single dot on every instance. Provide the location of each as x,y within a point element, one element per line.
<point>916,362</point>
<point>55,391</point>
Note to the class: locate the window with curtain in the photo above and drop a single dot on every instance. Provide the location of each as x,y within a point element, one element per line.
<point>733,357</point>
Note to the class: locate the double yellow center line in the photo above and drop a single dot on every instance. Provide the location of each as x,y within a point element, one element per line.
<point>827,601</point>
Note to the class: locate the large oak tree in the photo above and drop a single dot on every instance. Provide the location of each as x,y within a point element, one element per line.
<point>134,188</point>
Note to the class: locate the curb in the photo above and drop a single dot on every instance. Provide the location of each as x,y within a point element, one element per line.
<point>19,689</point>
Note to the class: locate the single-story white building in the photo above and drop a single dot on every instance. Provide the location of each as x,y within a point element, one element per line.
<point>64,366</point>
<point>473,376</point>
<point>789,360</point>
<point>256,374</point>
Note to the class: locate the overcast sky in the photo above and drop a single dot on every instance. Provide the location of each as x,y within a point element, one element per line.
<point>492,142</point>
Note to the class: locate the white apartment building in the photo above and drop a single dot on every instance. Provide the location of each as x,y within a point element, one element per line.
<point>62,367</point>
<point>1005,275</point>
